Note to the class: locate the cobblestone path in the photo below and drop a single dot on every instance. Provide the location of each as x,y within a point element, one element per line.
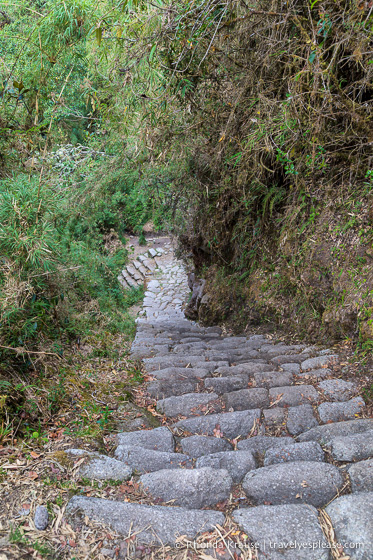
<point>254,430</point>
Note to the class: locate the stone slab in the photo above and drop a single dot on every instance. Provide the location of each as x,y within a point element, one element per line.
<point>191,404</point>
<point>237,463</point>
<point>320,362</point>
<point>100,467</point>
<point>338,411</point>
<point>271,379</point>
<point>294,395</point>
<point>300,418</point>
<point>230,424</point>
<point>361,476</point>
<point>276,529</point>
<point>147,460</point>
<point>356,447</point>
<point>258,445</point>
<point>299,482</point>
<point>337,389</point>
<point>196,446</point>
<point>159,439</point>
<point>246,399</point>
<point>153,524</point>
<point>305,451</point>
<point>352,521</point>
<point>323,434</point>
<point>192,489</point>
<point>222,385</point>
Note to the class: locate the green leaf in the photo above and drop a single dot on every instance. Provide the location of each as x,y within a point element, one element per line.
<point>99,35</point>
<point>312,57</point>
<point>152,52</point>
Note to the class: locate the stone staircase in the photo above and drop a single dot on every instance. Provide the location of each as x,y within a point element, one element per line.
<point>143,266</point>
<point>255,433</point>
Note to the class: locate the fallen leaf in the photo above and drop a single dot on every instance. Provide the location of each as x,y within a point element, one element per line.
<point>33,475</point>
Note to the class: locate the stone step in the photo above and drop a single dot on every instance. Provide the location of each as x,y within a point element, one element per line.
<point>222,385</point>
<point>144,460</point>
<point>191,489</point>
<point>229,424</point>
<point>171,388</point>
<point>141,268</point>
<point>153,364</point>
<point>248,368</point>
<point>175,374</point>
<point>294,395</point>
<point>158,439</point>
<point>354,447</point>
<point>351,517</point>
<point>129,280</point>
<point>361,476</point>
<point>246,399</point>
<point>134,273</point>
<point>306,482</point>
<point>276,530</point>
<point>258,445</point>
<point>338,411</point>
<point>306,451</point>
<point>196,446</point>
<point>99,467</point>
<point>152,525</point>
<point>324,434</point>
<point>271,379</point>
<point>191,404</point>
<point>237,463</point>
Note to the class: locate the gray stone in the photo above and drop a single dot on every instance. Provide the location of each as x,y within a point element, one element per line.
<point>337,411</point>
<point>196,446</point>
<point>323,434</point>
<point>151,524</point>
<point>282,349</point>
<point>244,369</point>
<point>222,385</point>
<point>273,379</point>
<point>337,389</point>
<point>352,521</point>
<point>361,476</point>
<point>174,374</point>
<point>292,367</point>
<point>242,356</point>
<point>300,419</point>
<point>315,374</point>
<point>276,529</point>
<point>306,451</point>
<point>163,362</point>
<point>274,417</point>
<point>41,518</point>
<point>159,439</point>
<point>246,399</point>
<point>299,482</point>
<point>163,389</point>
<point>100,467</point>
<point>147,460</point>
<point>193,489</point>
<point>319,362</point>
<point>293,396</point>
<point>289,358</point>
<point>258,445</point>
<point>191,404</point>
<point>230,424</point>
<point>237,463</point>
<point>356,447</point>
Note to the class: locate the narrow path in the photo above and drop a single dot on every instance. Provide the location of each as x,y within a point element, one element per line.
<point>258,437</point>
